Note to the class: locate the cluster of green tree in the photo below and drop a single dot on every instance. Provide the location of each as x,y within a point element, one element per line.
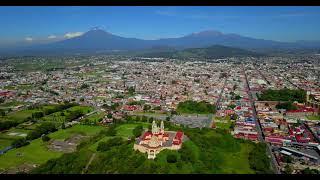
<point>286,105</point>
<point>283,95</point>
<point>2,112</point>
<point>310,171</point>
<point>135,103</point>
<point>7,124</point>
<point>146,107</point>
<point>231,106</point>
<point>157,108</point>
<point>131,91</point>
<point>43,129</point>
<point>2,100</point>
<point>113,106</point>
<point>137,131</point>
<point>107,145</point>
<point>53,92</point>
<point>71,163</point>
<point>37,115</point>
<point>84,86</point>
<point>53,109</point>
<point>195,107</point>
<point>258,159</point>
<point>72,115</point>
<point>19,142</point>
<point>235,96</point>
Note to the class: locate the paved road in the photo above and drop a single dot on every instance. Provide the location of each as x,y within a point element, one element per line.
<point>88,164</point>
<point>258,126</point>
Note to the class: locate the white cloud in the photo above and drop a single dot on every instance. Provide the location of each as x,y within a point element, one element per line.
<point>52,37</point>
<point>28,39</point>
<point>73,34</point>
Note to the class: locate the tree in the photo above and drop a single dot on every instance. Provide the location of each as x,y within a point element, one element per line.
<point>44,128</point>
<point>63,126</point>
<point>45,138</point>
<point>150,119</point>
<point>19,143</point>
<point>146,107</point>
<point>137,130</point>
<point>111,131</point>
<point>310,171</point>
<point>84,86</point>
<point>109,115</point>
<point>104,146</point>
<point>288,169</point>
<point>171,158</point>
<point>2,112</point>
<point>287,159</point>
<point>144,118</point>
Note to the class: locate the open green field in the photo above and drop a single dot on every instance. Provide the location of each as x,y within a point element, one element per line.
<point>34,153</point>
<point>37,152</point>
<point>238,163</point>
<point>86,130</point>
<point>125,130</point>
<point>94,118</point>
<point>314,117</point>
<point>21,116</point>
<point>11,104</point>
<point>5,142</point>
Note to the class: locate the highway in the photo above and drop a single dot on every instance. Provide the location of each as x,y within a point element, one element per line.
<point>258,126</point>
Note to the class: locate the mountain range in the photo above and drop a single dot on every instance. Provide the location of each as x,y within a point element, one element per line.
<point>99,41</point>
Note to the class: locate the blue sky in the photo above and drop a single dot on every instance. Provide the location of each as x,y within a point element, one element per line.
<point>152,22</point>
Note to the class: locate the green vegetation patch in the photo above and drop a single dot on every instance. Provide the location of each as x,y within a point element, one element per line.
<point>193,107</point>
<point>76,129</point>
<point>313,117</point>
<point>34,153</point>
<point>125,130</point>
<point>283,95</point>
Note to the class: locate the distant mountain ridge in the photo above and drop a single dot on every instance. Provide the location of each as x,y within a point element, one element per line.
<point>97,41</point>
<point>215,51</point>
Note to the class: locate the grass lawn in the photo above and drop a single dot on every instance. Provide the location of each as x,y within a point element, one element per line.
<point>314,117</point>
<point>5,143</point>
<point>20,116</point>
<point>6,139</point>
<point>76,129</point>
<point>125,130</point>
<point>11,104</point>
<point>37,152</point>
<point>223,125</point>
<point>95,117</point>
<point>34,153</point>
<point>238,163</point>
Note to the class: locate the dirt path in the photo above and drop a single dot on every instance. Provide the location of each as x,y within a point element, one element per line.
<point>88,164</point>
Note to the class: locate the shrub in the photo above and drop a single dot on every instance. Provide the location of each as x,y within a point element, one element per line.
<point>45,138</point>
<point>171,158</point>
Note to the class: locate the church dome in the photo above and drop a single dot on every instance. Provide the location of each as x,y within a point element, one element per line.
<point>154,142</point>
